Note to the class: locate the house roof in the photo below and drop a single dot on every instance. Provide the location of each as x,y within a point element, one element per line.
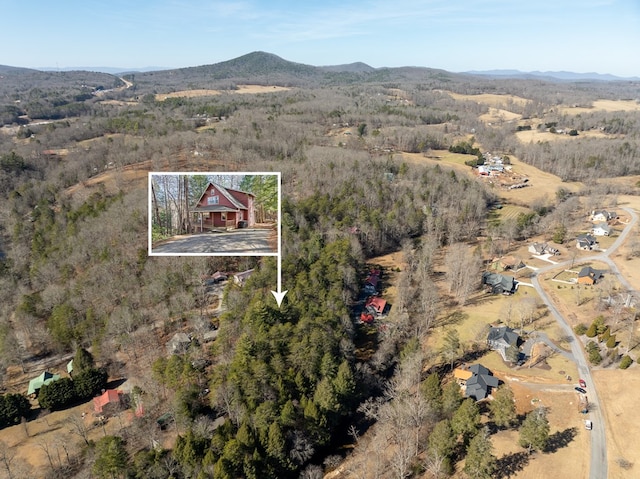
<point>217,209</point>
<point>478,385</point>
<point>242,277</point>
<point>110,396</point>
<point>587,237</point>
<point>227,193</point>
<point>378,304</point>
<point>504,335</point>
<point>588,271</point>
<point>372,279</point>
<point>45,378</point>
<point>602,225</point>
<point>494,279</point>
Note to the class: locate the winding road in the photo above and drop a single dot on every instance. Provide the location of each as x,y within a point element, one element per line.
<point>598,467</point>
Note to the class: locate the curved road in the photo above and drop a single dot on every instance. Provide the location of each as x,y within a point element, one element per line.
<point>598,467</point>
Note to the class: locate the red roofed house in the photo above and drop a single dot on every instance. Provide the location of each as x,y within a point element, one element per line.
<point>223,207</point>
<point>375,305</point>
<point>110,401</point>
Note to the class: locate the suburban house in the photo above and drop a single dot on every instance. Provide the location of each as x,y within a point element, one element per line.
<point>36,383</point>
<point>510,262</point>
<point>601,229</point>
<point>372,281</point>
<point>542,248</point>
<point>220,207</point>
<point>602,215</point>
<point>478,385</point>
<point>242,277</point>
<point>502,338</point>
<point>588,275</point>
<point>586,242</point>
<point>499,283</point>
<point>178,344</point>
<point>109,402</point>
<point>375,306</point>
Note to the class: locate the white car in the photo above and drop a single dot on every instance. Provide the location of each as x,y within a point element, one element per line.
<point>588,425</point>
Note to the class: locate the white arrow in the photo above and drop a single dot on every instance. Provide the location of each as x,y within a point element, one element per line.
<point>279,295</point>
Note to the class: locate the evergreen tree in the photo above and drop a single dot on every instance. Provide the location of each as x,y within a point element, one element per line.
<point>431,388</point>
<point>442,440</point>
<point>534,432</point>
<point>111,458</point>
<point>451,398</point>
<point>466,419</point>
<point>82,361</point>
<point>480,463</point>
<point>503,409</point>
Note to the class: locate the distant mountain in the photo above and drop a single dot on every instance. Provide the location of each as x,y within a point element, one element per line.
<point>109,70</point>
<point>551,75</point>
<point>357,67</point>
<point>269,69</point>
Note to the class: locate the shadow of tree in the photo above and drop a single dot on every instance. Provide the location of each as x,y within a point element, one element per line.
<point>456,317</point>
<point>510,464</point>
<point>560,439</point>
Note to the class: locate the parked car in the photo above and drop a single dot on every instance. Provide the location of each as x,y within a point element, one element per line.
<point>588,425</point>
<point>582,383</point>
<point>580,390</point>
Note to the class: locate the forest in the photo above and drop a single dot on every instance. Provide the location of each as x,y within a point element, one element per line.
<point>292,383</point>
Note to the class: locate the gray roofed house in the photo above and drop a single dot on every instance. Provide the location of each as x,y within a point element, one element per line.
<point>499,283</point>
<point>178,344</point>
<point>502,338</point>
<point>586,241</point>
<point>479,385</point>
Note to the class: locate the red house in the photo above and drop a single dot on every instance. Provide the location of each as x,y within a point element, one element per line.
<point>109,401</point>
<point>221,207</point>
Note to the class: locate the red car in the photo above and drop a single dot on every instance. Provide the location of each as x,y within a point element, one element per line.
<point>582,383</point>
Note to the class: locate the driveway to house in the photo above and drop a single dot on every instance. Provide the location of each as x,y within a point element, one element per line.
<point>598,467</point>
<point>242,241</point>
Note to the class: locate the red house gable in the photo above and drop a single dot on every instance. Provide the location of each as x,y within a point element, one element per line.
<point>224,207</point>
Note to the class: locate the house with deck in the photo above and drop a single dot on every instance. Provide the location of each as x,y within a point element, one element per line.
<point>502,338</point>
<point>499,283</point>
<point>603,215</point>
<point>477,381</point>
<point>220,207</point>
<point>586,242</point>
<point>589,276</point>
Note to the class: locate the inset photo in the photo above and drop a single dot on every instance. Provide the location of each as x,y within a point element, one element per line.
<point>214,214</point>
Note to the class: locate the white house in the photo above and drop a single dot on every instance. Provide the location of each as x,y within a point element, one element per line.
<point>601,229</point>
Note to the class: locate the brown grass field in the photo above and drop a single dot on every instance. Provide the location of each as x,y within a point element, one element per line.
<point>602,105</point>
<point>242,89</point>
<point>491,99</point>
<point>535,136</point>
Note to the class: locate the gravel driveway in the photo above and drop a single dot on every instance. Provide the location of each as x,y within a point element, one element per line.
<point>243,241</point>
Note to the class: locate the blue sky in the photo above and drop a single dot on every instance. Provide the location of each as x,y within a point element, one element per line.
<point>600,36</point>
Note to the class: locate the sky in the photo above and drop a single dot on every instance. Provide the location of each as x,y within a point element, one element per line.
<point>581,36</point>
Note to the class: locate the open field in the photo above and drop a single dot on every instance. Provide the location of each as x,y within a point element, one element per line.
<point>242,89</point>
<point>602,105</point>
<point>491,99</point>
<point>535,136</point>
<point>497,115</point>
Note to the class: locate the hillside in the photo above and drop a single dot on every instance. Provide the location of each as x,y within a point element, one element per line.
<point>387,226</point>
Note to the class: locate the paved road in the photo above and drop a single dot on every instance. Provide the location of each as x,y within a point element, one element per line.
<point>598,468</point>
<point>243,241</point>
